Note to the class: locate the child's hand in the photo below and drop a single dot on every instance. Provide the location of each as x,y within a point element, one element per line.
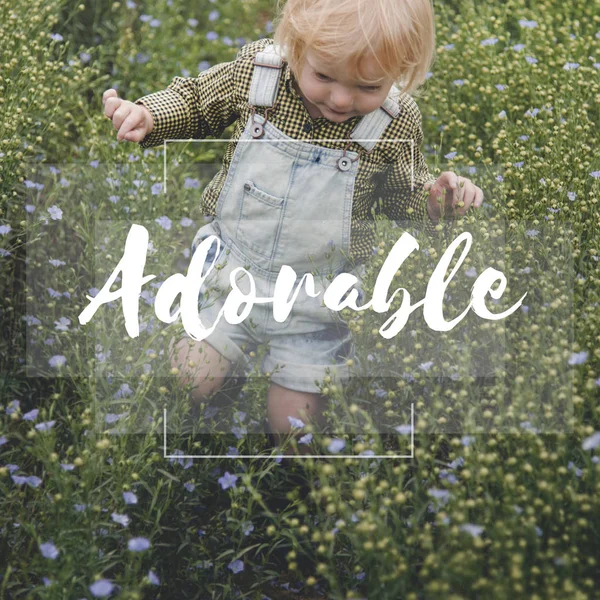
<point>133,121</point>
<point>458,190</point>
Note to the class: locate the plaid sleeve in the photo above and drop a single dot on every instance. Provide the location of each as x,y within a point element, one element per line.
<point>401,187</point>
<point>193,107</point>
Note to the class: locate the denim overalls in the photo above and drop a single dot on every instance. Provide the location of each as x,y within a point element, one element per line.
<point>286,202</point>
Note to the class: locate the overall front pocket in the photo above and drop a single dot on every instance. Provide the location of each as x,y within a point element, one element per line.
<point>259,220</point>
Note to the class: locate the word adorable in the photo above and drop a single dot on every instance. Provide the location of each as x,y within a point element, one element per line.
<point>133,262</point>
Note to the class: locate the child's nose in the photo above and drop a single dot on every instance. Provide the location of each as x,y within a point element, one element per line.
<point>341,99</point>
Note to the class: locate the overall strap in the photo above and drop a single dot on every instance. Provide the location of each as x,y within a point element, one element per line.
<point>373,124</point>
<point>265,79</point>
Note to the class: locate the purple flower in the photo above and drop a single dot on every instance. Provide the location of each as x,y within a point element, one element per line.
<point>12,407</point>
<point>191,183</point>
<point>3,440</point>
<point>156,189</point>
<point>189,486</point>
<point>569,66</point>
<point>532,233</point>
<point>473,530</point>
<point>591,442</point>
<point>247,527</point>
<point>500,87</point>
<point>49,550</point>
<point>306,439</point>
<point>211,36</point>
<point>153,578</point>
<point>192,22</point>
<point>236,566</point>
<point>55,213</point>
<point>426,365</point>
<point>101,588</point>
<point>336,445</point>
<point>56,37</point>
<point>578,358</point>
<point>120,519</point>
<point>295,423</point>
<point>31,415</point>
<point>29,208</point>
<point>62,324</point>
<point>164,222</point>
<point>123,391</point>
<point>45,426</point>
<point>467,440</point>
<point>130,498</point>
<point>203,66</point>
<point>57,361</point>
<point>57,263</point>
<point>138,544</point>
<point>450,155</point>
<point>489,41</point>
<point>527,24</point>
<point>571,196</point>
<point>228,480</point>
<point>448,46</point>
<point>67,467</point>
<point>531,60</point>
<point>595,174</point>
<point>404,429</point>
<point>459,82</point>
<point>155,23</point>
<point>4,229</point>
<point>32,480</point>
<point>213,15</point>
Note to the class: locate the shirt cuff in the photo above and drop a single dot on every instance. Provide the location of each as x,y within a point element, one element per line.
<point>171,117</point>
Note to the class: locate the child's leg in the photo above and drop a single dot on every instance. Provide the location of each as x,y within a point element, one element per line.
<point>200,364</point>
<point>283,402</point>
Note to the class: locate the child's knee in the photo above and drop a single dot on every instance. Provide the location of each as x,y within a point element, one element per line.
<point>198,364</point>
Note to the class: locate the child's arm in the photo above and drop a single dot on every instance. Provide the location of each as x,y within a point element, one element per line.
<point>193,107</point>
<point>402,186</point>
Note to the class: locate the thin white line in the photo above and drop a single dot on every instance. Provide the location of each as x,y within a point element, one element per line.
<point>412,165</point>
<point>410,140</point>
<point>165,165</point>
<point>412,429</point>
<point>411,455</point>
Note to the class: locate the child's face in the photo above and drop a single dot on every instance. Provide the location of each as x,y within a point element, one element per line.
<point>333,93</point>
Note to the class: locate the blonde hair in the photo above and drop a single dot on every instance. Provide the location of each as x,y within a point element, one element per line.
<point>400,34</point>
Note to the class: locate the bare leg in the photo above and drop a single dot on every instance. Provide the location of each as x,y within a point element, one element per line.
<point>200,364</point>
<point>283,402</point>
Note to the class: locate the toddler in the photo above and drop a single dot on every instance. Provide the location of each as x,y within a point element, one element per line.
<point>323,96</point>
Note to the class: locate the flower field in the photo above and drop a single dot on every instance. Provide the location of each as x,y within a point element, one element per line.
<point>487,485</point>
